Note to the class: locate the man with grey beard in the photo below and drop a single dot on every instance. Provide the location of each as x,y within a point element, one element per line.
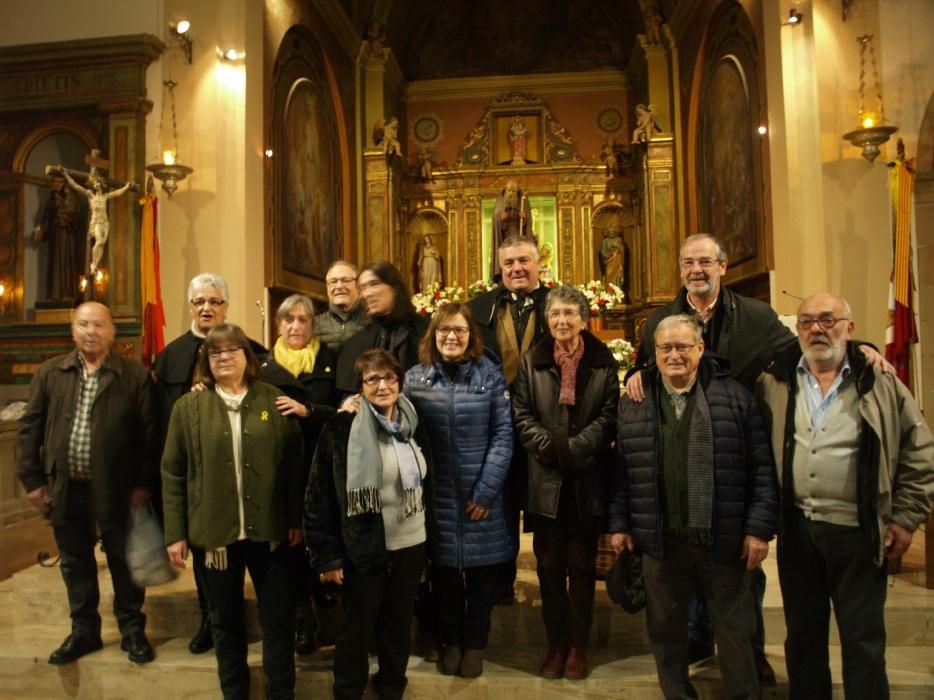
<point>854,459</point>
<point>512,217</point>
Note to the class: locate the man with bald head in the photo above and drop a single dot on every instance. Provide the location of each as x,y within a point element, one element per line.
<point>855,463</point>
<point>86,451</point>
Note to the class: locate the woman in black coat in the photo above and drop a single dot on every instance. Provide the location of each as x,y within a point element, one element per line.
<point>365,525</point>
<point>392,325</point>
<point>564,402</point>
<point>303,369</point>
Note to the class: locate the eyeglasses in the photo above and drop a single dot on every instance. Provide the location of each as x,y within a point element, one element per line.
<point>220,352</point>
<point>212,302</point>
<point>445,331</point>
<point>680,348</point>
<point>704,263</point>
<point>563,313</point>
<point>825,322</point>
<point>334,281</point>
<point>374,379</point>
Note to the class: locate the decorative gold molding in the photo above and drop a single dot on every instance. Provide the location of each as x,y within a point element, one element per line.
<point>492,86</point>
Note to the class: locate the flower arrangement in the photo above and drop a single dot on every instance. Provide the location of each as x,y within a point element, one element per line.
<point>624,354</point>
<point>603,296</point>
<point>479,287</point>
<point>427,303</point>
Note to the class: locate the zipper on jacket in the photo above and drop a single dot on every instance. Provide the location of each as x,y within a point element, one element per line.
<point>458,506</point>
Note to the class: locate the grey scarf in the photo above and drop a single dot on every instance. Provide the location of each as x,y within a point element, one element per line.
<point>365,467</point>
<point>700,472</point>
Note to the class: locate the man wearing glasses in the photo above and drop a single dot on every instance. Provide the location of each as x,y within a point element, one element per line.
<point>696,494</point>
<point>854,460</point>
<point>749,334</point>
<point>344,316</point>
<point>173,372</point>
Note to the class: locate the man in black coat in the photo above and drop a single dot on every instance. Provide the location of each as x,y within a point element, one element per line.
<point>696,495</point>
<point>173,372</point>
<point>86,451</point>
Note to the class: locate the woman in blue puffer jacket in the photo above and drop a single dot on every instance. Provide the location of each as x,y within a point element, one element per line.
<point>460,395</point>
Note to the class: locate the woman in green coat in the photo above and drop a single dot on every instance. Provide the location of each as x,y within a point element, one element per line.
<point>232,493</point>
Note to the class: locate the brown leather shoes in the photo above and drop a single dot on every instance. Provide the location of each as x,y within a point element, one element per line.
<point>553,665</point>
<point>575,668</point>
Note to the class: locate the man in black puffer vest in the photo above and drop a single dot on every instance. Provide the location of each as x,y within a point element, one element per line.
<point>696,495</point>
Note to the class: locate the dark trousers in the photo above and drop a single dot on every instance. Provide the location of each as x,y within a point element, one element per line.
<point>76,539</point>
<point>566,551</point>
<point>669,585</point>
<point>820,563</point>
<point>465,600</point>
<point>384,602</point>
<point>699,627</point>
<point>224,590</point>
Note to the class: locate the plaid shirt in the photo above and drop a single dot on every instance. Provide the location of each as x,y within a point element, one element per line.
<point>79,446</point>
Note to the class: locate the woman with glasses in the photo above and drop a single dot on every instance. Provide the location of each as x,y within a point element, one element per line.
<point>365,524</point>
<point>460,394</point>
<point>564,403</point>
<point>392,325</point>
<point>232,485</point>
<point>303,370</point>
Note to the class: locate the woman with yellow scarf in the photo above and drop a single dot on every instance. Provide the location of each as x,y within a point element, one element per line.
<point>302,368</point>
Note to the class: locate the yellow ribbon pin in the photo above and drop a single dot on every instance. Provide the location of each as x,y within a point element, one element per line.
<point>264,415</point>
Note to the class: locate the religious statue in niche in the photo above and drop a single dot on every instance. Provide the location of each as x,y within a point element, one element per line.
<point>546,265</point>
<point>646,126</point>
<point>386,134</point>
<point>429,266</point>
<point>512,216</point>
<point>608,155</point>
<point>518,134</point>
<point>613,257</point>
<point>61,228</point>
<point>424,164</point>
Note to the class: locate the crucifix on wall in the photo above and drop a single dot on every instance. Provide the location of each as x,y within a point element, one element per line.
<point>98,196</point>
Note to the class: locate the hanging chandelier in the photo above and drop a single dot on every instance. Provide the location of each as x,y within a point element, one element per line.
<point>872,131</point>
<point>169,170</point>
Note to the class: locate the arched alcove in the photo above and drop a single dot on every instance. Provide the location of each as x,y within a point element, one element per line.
<point>426,223</point>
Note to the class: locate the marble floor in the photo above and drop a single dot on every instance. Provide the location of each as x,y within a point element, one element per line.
<point>33,621</point>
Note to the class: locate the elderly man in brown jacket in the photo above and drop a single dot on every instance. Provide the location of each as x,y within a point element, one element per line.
<point>855,462</point>
<point>85,453</point>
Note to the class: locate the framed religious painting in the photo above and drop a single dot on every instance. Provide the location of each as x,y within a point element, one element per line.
<point>727,148</point>
<point>310,191</point>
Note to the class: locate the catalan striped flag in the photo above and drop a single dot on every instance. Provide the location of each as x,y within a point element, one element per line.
<point>901,331</point>
<point>150,285</point>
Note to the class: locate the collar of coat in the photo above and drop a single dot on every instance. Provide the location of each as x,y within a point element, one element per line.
<point>711,365</point>
<point>596,354</point>
<point>111,362</point>
<point>783,368</point>
<point>726,302</point>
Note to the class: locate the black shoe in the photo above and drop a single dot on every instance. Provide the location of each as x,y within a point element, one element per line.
<point>699,651</point>
<point>764,669</point>
<point>138,648</point>
<point>74,647</point>
<point>202,641</point>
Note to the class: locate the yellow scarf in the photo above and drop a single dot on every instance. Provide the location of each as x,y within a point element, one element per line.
<point>297,361</point>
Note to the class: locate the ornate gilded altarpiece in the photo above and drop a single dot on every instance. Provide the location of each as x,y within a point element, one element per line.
<point>94,92</point>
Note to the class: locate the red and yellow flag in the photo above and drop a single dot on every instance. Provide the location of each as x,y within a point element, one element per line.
<point>901,331</point>
<point>150,286</point>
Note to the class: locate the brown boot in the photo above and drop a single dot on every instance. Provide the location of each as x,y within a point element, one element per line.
<point>575,668</point>
<point>553,665</point>
<point>471,663</point>
<point>450,660</point>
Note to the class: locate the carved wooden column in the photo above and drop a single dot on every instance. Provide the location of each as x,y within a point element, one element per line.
<point>383,215</point>
<point>660,234</point>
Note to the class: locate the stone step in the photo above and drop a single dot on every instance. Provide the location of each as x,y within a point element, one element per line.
<point>509,672</point>
<point>37,594</point>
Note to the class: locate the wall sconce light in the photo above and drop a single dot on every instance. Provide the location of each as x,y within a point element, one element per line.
<point>872,131</point>
<point>230,55</point>
<point>180,35</point>
<point>170,170</point>
<point>794,17</point>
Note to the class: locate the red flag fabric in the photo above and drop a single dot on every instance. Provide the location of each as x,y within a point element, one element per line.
<point>901,332</point>
<point>150,285</point>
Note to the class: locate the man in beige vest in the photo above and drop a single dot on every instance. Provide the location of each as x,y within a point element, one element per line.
<point>855,463</point>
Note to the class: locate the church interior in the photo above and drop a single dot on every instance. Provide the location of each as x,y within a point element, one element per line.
<point>280,135</point>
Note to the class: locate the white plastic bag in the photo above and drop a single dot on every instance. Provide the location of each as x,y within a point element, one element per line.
<point>145,549</point>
